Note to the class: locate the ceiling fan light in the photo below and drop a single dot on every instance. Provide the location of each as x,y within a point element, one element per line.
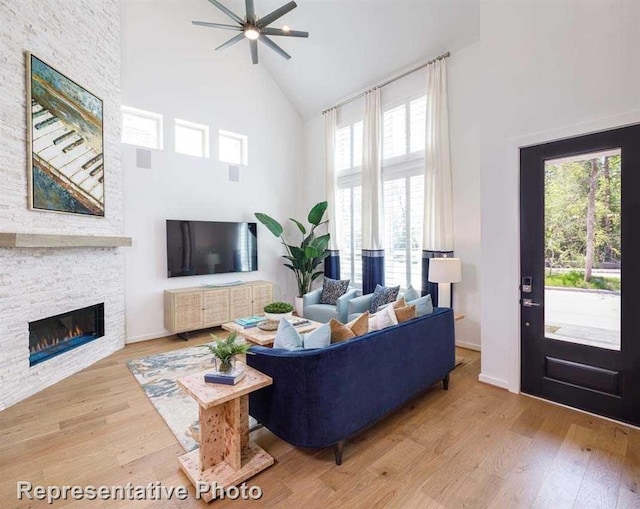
<point>286,28</point>
<point>251,33</point>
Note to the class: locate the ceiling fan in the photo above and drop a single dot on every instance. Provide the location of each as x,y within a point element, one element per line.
<point>255,29</point>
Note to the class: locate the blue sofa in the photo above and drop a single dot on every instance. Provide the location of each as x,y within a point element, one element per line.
<point>321,397</point>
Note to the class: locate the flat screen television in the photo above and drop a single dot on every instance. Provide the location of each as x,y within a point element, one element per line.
<point>207,247</point>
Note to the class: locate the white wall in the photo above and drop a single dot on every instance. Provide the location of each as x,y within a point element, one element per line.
<point>81,38</point>
<point>550,69</point>
<point>169,67</point>
<point>464,70</point>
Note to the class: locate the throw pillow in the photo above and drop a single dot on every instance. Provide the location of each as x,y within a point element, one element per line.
<point>287,336</point>
<point>400,303</point>
<point>332,290</point>
<point>342,332</point>
<point>411,294</point>
<point>383,295</point>
<point>406,313</point>
<point>386,318</point>
<point>318,338</point>
<point>424,306</point>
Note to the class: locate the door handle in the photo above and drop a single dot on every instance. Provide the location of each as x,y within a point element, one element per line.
<point>528,303</point>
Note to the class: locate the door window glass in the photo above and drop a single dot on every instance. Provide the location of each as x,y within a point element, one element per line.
<point>583,255</point>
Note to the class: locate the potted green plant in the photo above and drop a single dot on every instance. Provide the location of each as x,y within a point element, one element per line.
<point>225,351</point>
<point>278,310</point>
<point>305,257</point>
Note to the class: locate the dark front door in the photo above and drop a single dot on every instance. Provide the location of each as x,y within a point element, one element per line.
<point>580,272</point>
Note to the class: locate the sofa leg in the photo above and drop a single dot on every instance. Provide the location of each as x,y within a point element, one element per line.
<point>445,382</point>
<point>337,451</point>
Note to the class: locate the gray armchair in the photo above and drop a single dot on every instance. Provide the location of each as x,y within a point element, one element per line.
<point>322,313</point>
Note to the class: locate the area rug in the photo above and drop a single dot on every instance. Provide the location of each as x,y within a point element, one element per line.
<point>158,375</point>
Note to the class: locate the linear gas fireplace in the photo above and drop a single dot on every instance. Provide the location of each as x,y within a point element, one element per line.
<point>58,334</point>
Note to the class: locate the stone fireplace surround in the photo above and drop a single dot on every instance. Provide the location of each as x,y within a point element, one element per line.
<point>40,282</point>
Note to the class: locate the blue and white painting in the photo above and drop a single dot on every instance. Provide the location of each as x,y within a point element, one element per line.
<point>66,166</point>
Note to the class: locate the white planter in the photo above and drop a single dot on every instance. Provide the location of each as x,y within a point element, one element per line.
<point>277,316</point>
<point>299,307</point>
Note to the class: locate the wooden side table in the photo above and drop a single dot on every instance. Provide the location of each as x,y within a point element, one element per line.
<point>225,456</point>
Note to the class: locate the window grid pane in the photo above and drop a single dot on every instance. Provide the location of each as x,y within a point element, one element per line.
<point>416,216</point>
<point>343,149</point>
<point>357,236</point>
<point>418,110</point>
<point>191,140</point>
<point>357,144</point>
<point>395,221</point>
<point>141,128</point>
<point>394,132</point>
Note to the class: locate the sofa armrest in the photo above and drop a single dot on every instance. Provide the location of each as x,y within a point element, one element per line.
<point>313,297</point>
<point>343,304</point>
<point>359,304</point>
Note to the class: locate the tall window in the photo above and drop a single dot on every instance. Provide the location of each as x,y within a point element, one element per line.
<point>403,141</point>
<point>403,135</point>
<point>348,160</point>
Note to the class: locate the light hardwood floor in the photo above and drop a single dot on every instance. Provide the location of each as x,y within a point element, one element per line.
<point>471,446</point>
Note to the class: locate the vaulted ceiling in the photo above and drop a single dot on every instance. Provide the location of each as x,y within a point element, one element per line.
<point>353,43</point>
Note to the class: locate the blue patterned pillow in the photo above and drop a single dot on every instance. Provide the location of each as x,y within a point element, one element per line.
<point>383,295</point>
<point>332,290</point>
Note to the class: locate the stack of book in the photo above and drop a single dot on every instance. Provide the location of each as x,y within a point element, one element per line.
<point>230,378</point>
<point>249,321</point>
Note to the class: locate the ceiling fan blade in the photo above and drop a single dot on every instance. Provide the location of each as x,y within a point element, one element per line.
<point>231,41</point>
<point>274,47</point>
<point>235,28</point>
<point>278,13</point>
<point>251,11</point>
<point>254,51</point>
<point>281,32</point>
<point>228,12</point>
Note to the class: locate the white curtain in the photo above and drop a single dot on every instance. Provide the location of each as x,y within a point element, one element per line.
<point>438,194</point>
<point>372,173</point>
<point>330,127</point>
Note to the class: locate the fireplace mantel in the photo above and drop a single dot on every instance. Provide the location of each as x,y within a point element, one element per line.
<point>21,240</point>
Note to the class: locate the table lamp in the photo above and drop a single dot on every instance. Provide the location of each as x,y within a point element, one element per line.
<point>444,271</point>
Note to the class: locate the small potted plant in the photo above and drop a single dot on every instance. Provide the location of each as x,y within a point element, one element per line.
<point>225,351</point>
<point>278,310</point>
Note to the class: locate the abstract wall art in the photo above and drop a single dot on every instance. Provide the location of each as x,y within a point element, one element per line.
<point>66,144</point>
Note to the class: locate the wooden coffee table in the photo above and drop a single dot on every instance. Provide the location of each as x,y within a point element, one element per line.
<point>265,338</point>
<point>225,456</point>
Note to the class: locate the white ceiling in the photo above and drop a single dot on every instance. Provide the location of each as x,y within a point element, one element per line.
<point>353,44</point>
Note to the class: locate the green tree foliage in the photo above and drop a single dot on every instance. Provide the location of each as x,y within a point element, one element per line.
<point>567,188</point>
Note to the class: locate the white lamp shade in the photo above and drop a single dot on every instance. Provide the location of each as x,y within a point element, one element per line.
<point>445,270</point>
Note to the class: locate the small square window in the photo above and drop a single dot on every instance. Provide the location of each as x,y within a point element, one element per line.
<point>233,148</point>
<point>192,139</point>
<point>141,128</point>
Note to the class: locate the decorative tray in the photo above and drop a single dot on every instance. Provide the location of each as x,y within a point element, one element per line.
<point>269,325</point>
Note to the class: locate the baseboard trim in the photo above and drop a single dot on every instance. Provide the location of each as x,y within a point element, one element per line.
<point>502,384</point>
<point>468,346</point>
<point>148,337</point>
